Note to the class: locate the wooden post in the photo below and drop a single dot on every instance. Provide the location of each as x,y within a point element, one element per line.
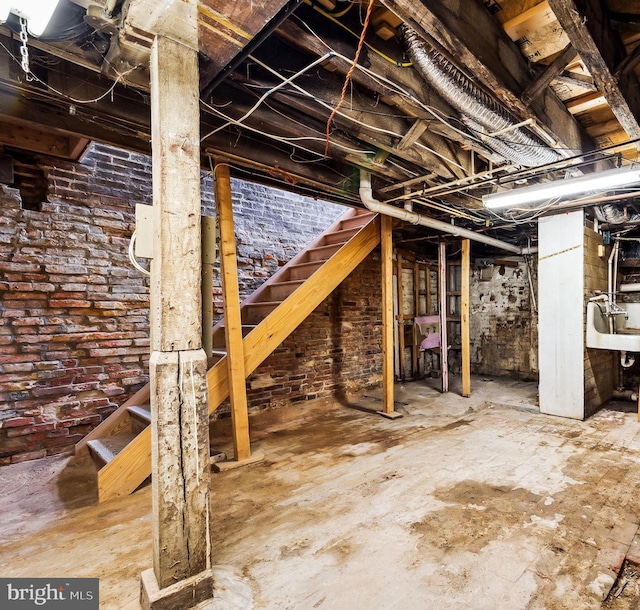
<point>465,273</point>
<point>208,260</point>
<point>401,346</point>
<point>442,307</point>
<point>232,317</point>
<point>178,364</point>
<point>387,313</point>
<point>416,313</point>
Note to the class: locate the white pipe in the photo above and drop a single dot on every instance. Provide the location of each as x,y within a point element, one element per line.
<point>634,287</point>
<point>366,195</point>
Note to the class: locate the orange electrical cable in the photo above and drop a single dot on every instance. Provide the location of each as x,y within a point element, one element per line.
<point>348,78</point>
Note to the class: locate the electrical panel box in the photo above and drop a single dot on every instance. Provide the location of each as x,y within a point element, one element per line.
<point>144,231</point>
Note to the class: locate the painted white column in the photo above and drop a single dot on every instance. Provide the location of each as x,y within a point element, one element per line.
<point>561,315</point>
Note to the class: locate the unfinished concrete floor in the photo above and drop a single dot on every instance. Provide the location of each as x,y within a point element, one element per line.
<point>462,503</point>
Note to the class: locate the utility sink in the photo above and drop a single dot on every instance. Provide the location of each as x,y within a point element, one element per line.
<point>626,326</point>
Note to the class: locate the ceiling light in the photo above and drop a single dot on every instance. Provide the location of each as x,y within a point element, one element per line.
<point>37,13</point>
<point>561,188</point>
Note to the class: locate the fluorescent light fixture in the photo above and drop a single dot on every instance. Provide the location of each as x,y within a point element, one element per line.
<point>38,13</point>
<point>601,181</point>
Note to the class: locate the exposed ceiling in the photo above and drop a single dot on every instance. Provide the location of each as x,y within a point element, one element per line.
<point>450,99</point>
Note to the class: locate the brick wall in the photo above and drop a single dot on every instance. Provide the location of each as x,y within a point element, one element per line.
<point>600,365</point>
<point>503,322</point>
<point>74,313</point>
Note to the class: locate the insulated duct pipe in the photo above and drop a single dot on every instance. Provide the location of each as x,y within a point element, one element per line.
<point>379,207</point>
<point>477,110</point>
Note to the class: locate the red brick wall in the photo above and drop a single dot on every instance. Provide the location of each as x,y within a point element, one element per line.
<point>74,313</point>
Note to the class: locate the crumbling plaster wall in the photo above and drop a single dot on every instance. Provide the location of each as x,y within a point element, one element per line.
<point>74,313</point>
<point>503,321</point>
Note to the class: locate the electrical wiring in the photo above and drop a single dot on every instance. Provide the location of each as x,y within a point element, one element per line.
<point>270,92</point>
<point>332,17</point>
<point>65,95</point>
<point>283,139</point>
<point>435,113</point>
<point>348,77</point>
<point>353,119</point>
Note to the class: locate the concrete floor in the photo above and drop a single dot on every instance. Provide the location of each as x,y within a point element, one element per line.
<point>462,503</point>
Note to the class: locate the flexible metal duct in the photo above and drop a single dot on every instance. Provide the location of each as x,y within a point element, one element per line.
<point>614,215</point>
<point>478,110</point>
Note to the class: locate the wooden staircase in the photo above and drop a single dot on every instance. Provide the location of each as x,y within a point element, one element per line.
<point>121,445</point>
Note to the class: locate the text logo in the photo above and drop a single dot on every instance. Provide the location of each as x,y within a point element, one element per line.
<point>49,593</point>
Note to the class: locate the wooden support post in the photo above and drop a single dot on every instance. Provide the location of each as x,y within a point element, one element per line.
<point>208,260</point>
<point>178,364</point>
<point>442,307</point>
<point>416,313</point>
<point>232,317</point>
<point>387,314</point>
<point>465,273</point>
<point>401,346</point>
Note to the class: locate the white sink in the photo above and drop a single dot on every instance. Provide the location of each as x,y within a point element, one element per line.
<point>626,335</point>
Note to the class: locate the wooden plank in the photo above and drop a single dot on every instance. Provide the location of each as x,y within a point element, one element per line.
<point>442,310</point>
<point>475,39</point>
<point>232,316</point>
<point>586,102</point>
<point>386,224</point>
<point>600,47</point>
<point>536,87</point>
<point>401,345</point>
<point>464,317</point>
<point>225,28</point>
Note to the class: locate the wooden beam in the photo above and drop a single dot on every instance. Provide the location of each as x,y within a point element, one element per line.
<point>587,24</point>
<point>178,364</point>
<point>536,87</point>
<point>232,317</point>
<point>387,313</point>
<point>413,135</point>
<point>442,310</point>
<point>475,39</point>
<point>465,272</point>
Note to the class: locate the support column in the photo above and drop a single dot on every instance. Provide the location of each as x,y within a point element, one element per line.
<point>386,224</point>
<point>442,307</point>
<point>180,420</point>
<point>232,317</point>
<point>465,272</point>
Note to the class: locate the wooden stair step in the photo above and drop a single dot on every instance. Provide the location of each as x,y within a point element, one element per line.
<point>256,312</point>
<point>142,412</point>
<point>357,221</point>
<point>103,450</point>
<point>279,291</point>
<point>322,253</point>
<point>302,271</point>
<point>340,236</point>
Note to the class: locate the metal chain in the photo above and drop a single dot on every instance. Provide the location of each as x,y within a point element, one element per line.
<point>24,49</point>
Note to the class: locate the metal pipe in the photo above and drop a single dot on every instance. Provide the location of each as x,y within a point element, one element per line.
<point>366,195</point>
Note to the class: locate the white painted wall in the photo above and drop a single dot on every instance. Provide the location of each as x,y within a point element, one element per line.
<point>560,314</point>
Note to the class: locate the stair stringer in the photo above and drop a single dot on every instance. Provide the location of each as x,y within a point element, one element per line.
<point>126,472</point>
